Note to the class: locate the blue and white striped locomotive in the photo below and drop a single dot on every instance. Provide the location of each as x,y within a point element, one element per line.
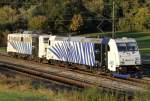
<point>119,56</point>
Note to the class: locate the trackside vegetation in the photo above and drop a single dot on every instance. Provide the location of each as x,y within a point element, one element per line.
<point>18,88</point>
<point>3,49</point>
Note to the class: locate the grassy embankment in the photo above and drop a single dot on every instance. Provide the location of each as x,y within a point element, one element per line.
<point>143,39</point>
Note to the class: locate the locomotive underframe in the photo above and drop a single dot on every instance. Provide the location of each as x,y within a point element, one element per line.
<point>131,70</point>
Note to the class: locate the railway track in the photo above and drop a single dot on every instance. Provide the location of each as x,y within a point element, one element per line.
<point>46,76</point>
<point>71,80</point>
<point>130,81</point>
<point>42,75</point>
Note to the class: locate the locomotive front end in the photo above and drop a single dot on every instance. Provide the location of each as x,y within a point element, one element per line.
<point>129,56</point>
<point>128,53</point>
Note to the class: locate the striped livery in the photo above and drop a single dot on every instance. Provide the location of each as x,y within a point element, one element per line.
<point>72,51</point>
<point>20,43</point>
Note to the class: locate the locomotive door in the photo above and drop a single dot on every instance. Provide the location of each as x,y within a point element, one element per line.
<point>97,52</point>
<point>35,46</point>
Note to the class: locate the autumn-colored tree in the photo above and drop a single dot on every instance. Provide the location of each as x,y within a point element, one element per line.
<point>77,22</point>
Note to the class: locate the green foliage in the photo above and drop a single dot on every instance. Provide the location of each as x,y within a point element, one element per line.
<point>93,94</point>
<point>17,96</point>
<point>8,15</point>
<point>54,8</point>
<point>94,5</point>
<point>3,49</point>
<point>37,22</point>
<point>136,16</point>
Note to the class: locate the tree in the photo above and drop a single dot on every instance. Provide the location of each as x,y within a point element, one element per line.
<point>8,15</point>
<point>77,22</point>
<point>53,8</point>
<point>141,18</point>
<point>95,6</point>
<point>37,22</point>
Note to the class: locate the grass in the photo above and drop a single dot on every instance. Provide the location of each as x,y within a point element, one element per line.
<point>21,89</point>
<point>3,49</point>
<point>21,96</point>
<point>17,88</point>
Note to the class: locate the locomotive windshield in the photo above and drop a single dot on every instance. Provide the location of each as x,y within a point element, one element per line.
<point>130,46</point>
<point>121,47</point>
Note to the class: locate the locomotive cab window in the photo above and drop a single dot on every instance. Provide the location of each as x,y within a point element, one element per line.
<point>97,48</point>
<point>21,39</point>
<point>108,48</point>
<point>45,40</point>
<point>132,46</point>
<point>121,47</point>
<point>97,51</point>
<point>49,42</point>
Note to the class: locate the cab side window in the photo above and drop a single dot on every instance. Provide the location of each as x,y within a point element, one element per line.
<point>21,39</point>
<point>49,42</point>
<point>46,40</point>
<point>97,47</point>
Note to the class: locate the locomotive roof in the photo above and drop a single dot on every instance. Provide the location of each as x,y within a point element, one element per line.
<point>120,40</point>
<point>79,39</point>
<point>23,35</point>
<point>20,34</point>
<point>92,40</point>
<point>45,36</point>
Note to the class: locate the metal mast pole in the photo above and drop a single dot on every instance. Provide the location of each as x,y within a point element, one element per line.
<point>113,20</point>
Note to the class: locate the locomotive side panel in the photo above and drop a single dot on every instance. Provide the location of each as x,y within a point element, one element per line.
<point>43,44</point>
<point>19,43</point>
<point>71,51</point>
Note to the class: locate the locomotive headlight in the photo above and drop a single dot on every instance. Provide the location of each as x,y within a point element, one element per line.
<point>122,63</point>
<point>137,60</point>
